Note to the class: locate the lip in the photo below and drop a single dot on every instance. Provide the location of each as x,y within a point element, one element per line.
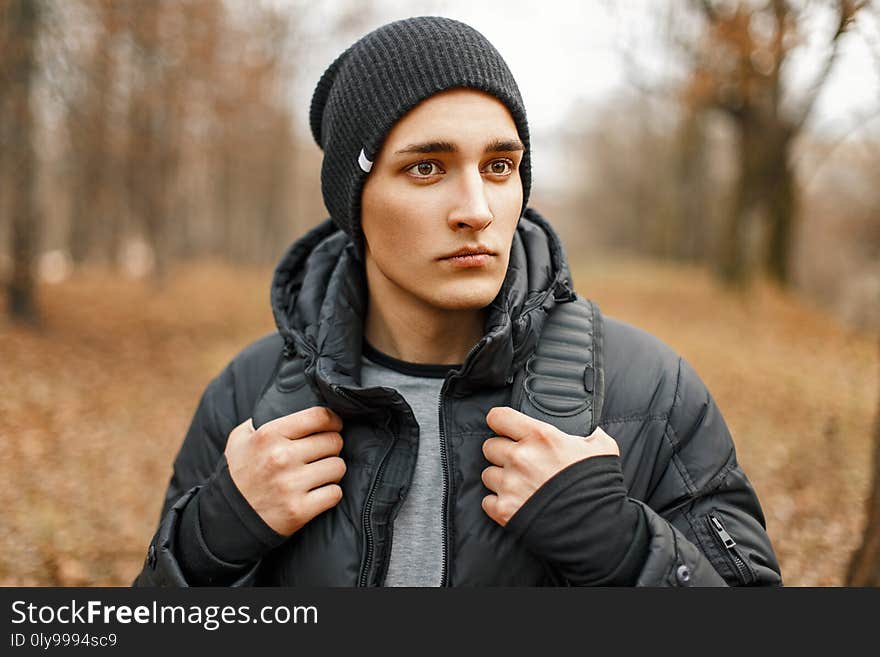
<point>469,251</point>
<point>469,260</point>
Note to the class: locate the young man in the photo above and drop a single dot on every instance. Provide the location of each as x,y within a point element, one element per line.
<point>372,441</point>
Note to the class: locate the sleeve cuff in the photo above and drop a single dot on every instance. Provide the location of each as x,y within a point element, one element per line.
<point>583,522</point>
<point>221,535</point>
<point>599,470</point>
<point>231,528</point>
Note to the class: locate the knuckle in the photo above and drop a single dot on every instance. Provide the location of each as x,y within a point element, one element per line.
<point>338,467</point>
<point>506,508</point>
<point>320,413</point>
<point>545,434</point>
<point>492,415</point>
<point>261,435</point>
<point>293,510</point>
<point>335,440</point>
<point>286,488</point>
<point>520,456</point>
<point>335,494</point>
<point>276,459</point>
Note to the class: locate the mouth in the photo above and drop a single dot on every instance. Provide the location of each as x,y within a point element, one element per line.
<point>468,251</point>
<point>469,257</point>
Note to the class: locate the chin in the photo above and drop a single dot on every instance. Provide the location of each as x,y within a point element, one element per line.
<point>474,297</point>
<point>463,304</point>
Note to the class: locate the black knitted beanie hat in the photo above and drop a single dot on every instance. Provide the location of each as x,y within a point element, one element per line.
<point>380,77</point>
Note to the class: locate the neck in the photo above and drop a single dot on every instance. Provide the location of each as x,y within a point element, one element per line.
<point>410,329</point>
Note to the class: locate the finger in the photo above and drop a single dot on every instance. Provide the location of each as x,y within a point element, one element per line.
<point>325,471</point>
<point>321,499</point>
<point>242,431</point>
<point>492,477</point>
<point>304,423</point>
<point>509,422</point>
<point>598,433</point>
<point>498,450</point>
<point>317,446</point>
<point>490,506</point>
<point>603,443</point>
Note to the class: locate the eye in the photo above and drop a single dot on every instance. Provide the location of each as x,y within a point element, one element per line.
<point>503,167</point>
<point>424,169</point>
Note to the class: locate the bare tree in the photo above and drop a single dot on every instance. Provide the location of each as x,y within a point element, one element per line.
<point>151,155</point>
<point>737,69</point>
<point>19,24</point>
<point>89,125</point>
<point>180,132</point>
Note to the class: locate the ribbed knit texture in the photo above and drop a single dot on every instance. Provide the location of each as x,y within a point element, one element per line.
<point>387,72</point>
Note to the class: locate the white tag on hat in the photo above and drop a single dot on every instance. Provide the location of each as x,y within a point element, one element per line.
<point>366,165</point>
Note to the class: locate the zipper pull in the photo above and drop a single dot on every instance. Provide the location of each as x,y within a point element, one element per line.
<point>719,529</point>
<point>562,292</point>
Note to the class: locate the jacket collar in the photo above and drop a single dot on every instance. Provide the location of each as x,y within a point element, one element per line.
<point>319,295</point>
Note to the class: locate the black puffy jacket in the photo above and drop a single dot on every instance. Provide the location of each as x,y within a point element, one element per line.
<point>705,522</point>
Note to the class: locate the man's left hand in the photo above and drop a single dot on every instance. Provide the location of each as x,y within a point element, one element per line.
<point>525,454</point>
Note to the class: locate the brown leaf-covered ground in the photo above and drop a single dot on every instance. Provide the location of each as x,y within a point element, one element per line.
<point>94,405</point>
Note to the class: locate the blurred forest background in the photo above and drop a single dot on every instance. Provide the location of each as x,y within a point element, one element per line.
<point>155,161</point>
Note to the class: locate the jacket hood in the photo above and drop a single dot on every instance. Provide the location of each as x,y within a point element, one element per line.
<point>319,298</point>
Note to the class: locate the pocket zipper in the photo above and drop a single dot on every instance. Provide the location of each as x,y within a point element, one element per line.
<point>730,544</point>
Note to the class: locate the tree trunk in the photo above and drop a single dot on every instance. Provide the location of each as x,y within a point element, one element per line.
<point>147,120</point>
<point>765,193</point>
<point>21,160</point>
<point>864,568</point>
<point>689,221</point>
<point>87,123</point>
<point>733,267</point>
<point>782,213</point>
<point>82,228</point>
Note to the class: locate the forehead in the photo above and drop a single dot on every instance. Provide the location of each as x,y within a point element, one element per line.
<point>466,113</point>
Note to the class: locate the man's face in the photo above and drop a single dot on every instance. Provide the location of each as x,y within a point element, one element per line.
<point>435,188</point>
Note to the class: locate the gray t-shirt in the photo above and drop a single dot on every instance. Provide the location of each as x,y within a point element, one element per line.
<point>417,543</point>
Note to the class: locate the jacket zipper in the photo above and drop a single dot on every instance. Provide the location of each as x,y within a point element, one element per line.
<point>444,463</point>
<point>730,544</point>
<point>368,508</point>
<point>368,505</point>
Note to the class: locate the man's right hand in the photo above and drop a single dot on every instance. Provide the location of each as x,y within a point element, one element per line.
<point>288,470</point>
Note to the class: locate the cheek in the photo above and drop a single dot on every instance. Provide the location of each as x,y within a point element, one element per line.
<point>506,220</point>
<point>394,231</point>
<point>509,199</point>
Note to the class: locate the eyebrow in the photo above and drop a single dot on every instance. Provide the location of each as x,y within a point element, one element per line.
<point>494,146</point>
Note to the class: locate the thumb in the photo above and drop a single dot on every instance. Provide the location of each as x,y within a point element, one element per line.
<point>603,442</point>
<point>243,430</point>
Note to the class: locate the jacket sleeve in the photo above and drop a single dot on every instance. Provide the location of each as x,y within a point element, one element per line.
<point>196,466</point>
<point>714,534</point>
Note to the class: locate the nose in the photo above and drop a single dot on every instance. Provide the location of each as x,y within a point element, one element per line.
<point>472,211</point>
